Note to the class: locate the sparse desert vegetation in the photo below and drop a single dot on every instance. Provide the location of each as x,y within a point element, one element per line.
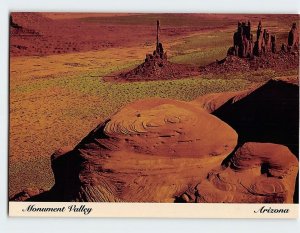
<point>56,98</point>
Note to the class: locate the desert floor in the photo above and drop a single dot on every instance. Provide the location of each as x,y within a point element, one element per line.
<point>58,94</point>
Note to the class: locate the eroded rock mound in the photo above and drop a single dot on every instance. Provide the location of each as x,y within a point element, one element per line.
<point>165,128</point>
<point>161,150</point>
<point>276,61</point>
<point>257,173</point>
<point>149,151</point>
<point>211,102</point>
<point>156,67</point>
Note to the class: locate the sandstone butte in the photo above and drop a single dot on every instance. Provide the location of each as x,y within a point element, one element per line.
<point>206,150</point>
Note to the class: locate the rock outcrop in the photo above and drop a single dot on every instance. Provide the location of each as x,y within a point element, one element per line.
<point>156,66</point>
<point>268,113</point>
<point>242,41</point>
<point>224,147</point>
<point>161,150</point>
<point>20,27</point>
<point>244,45</point>
<point>293,38</point>
<point>246,55</point>
<point>257,173</point>
<point>149,151</point>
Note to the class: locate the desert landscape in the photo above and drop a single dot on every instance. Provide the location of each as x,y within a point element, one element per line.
<point>154,108</point>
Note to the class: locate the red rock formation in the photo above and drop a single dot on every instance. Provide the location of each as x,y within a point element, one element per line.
<point>149,151</point>
<point>246,56</point>
<point>263,42</point>
<point>257,173</point>
<point>273,44</point>
<point>160,150</point>
<point>293,38</point>
<point>242,41</point>
<point>266,113</point>
<point>244,46</point>
<point>292,45</point>
<point>156,66</point>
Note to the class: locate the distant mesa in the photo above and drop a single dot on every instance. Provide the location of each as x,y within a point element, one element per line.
<point>13,24</point>
<point>234,148</point>
<point>18,29</point>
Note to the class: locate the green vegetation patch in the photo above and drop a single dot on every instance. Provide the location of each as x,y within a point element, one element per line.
<point>176,20</point>
<point>202,49</point>
<point>115,95</point>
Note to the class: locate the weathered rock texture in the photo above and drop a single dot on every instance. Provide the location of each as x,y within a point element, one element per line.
<point>149,151</point>
<point>161,150</point>
<point>266,113</point>
<point>257,173</point>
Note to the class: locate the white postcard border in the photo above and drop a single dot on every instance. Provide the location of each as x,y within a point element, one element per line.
<point>152,210</point>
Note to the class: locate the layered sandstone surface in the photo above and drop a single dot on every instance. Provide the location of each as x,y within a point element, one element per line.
<point>224,147</point>
<point>257,173</point>
<point>149,151</point>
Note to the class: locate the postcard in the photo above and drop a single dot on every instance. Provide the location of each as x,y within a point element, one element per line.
<point>153,115</point>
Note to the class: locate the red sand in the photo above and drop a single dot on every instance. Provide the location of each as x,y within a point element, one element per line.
<point>67,33</point>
